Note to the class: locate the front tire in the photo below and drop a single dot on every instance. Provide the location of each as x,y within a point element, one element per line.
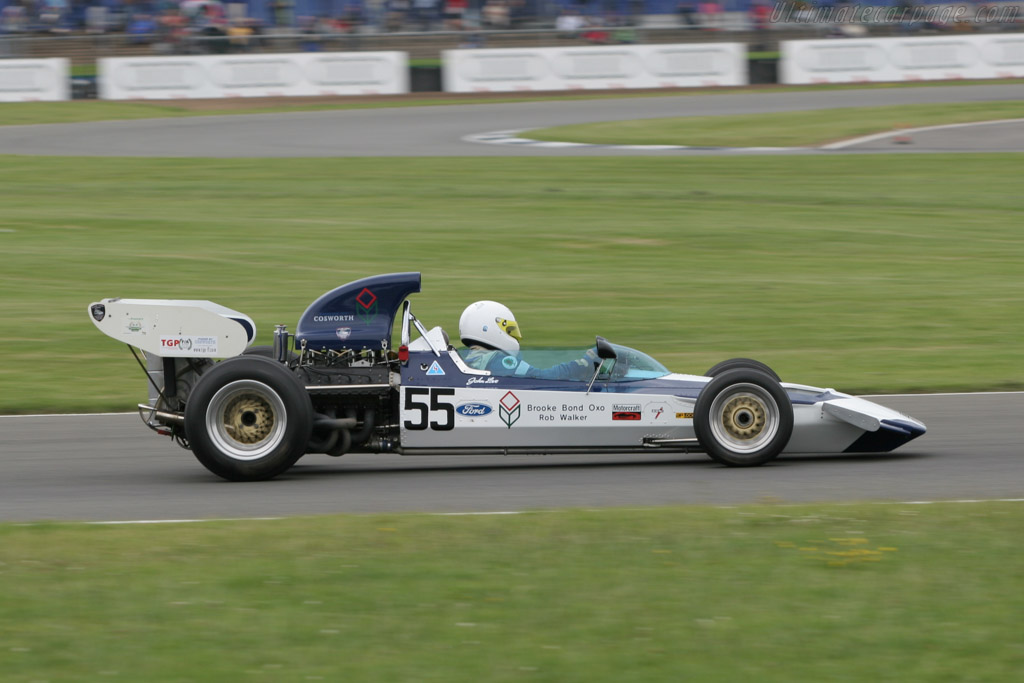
<point>743,418</point>
<point>249,418</point>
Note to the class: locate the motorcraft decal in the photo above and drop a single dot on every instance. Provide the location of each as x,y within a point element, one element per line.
<point>626,411</point>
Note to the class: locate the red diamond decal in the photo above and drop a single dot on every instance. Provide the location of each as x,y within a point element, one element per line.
<point>366,298</point>
<point>510,401</point>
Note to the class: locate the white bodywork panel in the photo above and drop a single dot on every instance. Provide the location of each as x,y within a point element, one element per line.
<point>476,417</point>
<point>176,328</point>
<point>484,415</point>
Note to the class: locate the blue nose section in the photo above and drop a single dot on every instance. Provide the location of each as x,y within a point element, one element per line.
<point>891,435</point>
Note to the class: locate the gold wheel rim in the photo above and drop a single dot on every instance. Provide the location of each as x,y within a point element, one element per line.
<point>744,418</point>
<point>248,419</point>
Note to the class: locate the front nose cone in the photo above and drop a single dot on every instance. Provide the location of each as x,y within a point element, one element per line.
<point>891,435</point>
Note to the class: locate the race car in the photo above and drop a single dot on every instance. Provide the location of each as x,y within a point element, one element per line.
<point>338,385</point>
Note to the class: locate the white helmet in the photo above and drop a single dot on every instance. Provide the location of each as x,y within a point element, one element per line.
<point>488,323</point>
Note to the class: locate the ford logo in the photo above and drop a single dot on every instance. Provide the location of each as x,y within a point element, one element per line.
<point>473,409</point>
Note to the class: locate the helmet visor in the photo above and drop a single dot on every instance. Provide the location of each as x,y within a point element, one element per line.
<point>510,328</point>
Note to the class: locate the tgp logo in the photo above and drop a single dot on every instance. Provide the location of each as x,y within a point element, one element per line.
<point>473,409</point>
<point>176,343</point>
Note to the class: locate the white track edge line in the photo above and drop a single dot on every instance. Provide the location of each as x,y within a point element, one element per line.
<point>843,144</point>
<point>130,522</point>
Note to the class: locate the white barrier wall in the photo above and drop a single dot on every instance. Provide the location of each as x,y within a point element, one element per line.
<point>34,80</point>
<point>214,76</point>
<point>848,60</point>
<point>620,66</point>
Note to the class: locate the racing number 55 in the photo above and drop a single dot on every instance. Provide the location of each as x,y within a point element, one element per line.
<point>416,400</point>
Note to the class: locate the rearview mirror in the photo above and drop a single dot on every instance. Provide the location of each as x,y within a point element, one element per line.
<point>604,349</point>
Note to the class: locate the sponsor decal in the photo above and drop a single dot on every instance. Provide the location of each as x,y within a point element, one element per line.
<point>435,369</point>
<point>336,318</point>
<point>190,344</point>
<point>509,409</point>
<point>565,412</point>
<point>176,343</point>
<point>626,414</point>
<point>481,380</point>
<point>343,333</point>
<point>98,312</point>
<point>684,416</point>
<point>474,409</point>
<point>135,324</point>
<point>367,301</point>
<point>625,407</point>
<point>656,411</point>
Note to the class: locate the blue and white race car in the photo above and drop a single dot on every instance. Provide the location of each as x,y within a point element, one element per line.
<point>339,385</point>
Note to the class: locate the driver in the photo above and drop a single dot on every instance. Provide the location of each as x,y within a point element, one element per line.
<point>490,331</point>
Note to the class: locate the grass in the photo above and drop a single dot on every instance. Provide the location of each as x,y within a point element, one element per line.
<point>783,129</point>
<point>873,274</point>
<point>869,592</point>
<point>77,111</point>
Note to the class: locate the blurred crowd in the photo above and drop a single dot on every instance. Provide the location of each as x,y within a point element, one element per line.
<point>147,16</point>
<point>232,26</point>
<point>225,26</point>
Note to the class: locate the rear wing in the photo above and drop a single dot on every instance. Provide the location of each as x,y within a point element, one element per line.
<point>175,328</point>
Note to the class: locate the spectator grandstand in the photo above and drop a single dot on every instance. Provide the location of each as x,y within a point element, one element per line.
<point>84,30</point>
<point>143,16</point>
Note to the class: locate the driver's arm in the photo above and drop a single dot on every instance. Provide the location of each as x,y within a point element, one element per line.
<point>580,369</point>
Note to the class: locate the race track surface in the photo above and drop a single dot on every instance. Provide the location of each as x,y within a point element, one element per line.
<point>440,130</point>
<point>111,467</point>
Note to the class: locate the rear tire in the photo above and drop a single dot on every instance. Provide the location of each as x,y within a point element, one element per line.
<point>248,419</point>
<point>746,363</point>
<point>743,418</point>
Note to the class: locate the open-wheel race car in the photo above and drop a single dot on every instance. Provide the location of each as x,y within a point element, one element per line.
<point>339,385</point>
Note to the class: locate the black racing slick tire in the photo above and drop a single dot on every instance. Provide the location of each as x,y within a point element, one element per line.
<point>743,418</point>
<point>248,418</point>
<point>747,363</point>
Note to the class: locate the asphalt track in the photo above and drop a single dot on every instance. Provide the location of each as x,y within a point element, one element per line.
<point>112,468</point>
<point>441,130</point>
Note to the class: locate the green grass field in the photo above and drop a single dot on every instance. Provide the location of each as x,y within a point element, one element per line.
<point>784,129</point>
<point>869,274</point>
<point>765,593</point>
<point>25,113</point>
